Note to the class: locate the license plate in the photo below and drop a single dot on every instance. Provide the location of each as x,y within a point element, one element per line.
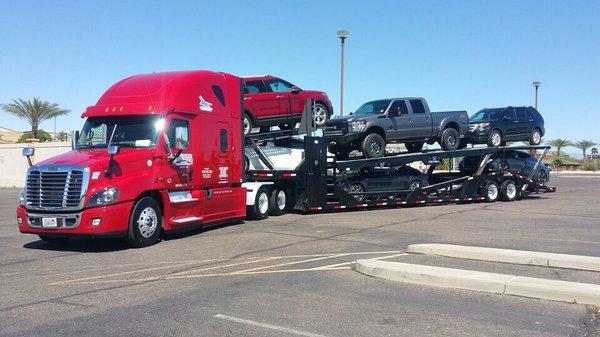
<point>49,223</point>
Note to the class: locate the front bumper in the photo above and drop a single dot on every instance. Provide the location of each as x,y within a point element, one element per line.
<point>342,138</point>
<point>114,221</point>
<point>477,136</point>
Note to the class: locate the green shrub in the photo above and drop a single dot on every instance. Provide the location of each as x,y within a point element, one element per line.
<point>42,136</point>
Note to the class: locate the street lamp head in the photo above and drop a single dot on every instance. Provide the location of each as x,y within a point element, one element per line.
<point>537,84</point>
<point>342,34</point>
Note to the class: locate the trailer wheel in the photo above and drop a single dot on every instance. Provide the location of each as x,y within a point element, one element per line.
<point>53,240</point>
<point>373,146</point>
<point>450,139</point>
<point>145,223</point>
<point>260,209</point>
<point>278,202</point>
<point>491,191</point>
<point>508,190</point>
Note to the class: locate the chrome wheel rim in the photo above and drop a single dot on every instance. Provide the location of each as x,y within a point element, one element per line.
<point>414,185</point>
<point>451,139</point>
<point>375,147</point>
<point>496,140</point>
<point>147,222</point>
<point>492,191</point>
<point>281,200</point>
<point>511,190</point>
<point>246,125</point>
<point>319,115</point>
<point>536,137</point>
<point>357,188</point>
<point>263,203</point>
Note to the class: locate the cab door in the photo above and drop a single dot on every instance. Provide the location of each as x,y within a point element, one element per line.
<point>420,119</point>
<point>509,124</point>
<point>400,120</point>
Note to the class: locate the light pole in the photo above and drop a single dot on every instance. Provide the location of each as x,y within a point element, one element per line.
<point>343,35</point>
<point>536,85</point>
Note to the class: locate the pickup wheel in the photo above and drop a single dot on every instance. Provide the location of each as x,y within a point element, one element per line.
<point>508,190</point>
<point>494,139</point>
<point>145,223</point>
<point>247,124</point>
<point>450,139</point>
<point>320,114</point>
<point>260,209</point>
<point>414,146</point>
<point>278,202</point>
<point>535,137</point>
<point>373,146</point>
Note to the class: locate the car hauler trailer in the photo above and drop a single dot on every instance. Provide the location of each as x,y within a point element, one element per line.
<point>165,152</point>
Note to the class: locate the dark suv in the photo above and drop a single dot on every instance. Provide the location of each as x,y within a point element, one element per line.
<point>270,100</point>
<point>497,126</point>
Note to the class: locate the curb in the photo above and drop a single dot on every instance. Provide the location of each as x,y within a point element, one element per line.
<point>566,261</point>
<point>574,292</point>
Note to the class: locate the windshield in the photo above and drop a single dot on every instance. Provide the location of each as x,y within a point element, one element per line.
<point>485,114</point>
<point>374,107</point>
<point>129,132</point>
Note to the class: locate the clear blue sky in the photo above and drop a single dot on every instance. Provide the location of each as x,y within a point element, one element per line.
<point>458,54</point>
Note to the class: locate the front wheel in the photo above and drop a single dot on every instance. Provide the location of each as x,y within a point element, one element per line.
<point>373,146</point>
<point>450,139</point>
<point>247,124</point>
<point>508,190</point>
<point>145,223</point>
<point>494,139</point>
<point>416,184</point>
<point>320,114</point>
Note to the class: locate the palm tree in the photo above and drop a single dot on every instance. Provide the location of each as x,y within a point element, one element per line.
<point>559,144</point>
<point>583,145</point>
<point>34,111</point>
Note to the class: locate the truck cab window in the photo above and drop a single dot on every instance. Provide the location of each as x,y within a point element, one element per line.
<point>178,133</point>
<point>223,140</point>
<point>219,93</point>
<point>398,108</point>
<point>417,106</point>
<point>510,114</point>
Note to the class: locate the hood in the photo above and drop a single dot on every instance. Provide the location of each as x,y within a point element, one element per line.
<point>351,118</point>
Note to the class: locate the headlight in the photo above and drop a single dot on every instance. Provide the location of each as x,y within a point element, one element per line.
<point>482,126</point>
<point>105,197</point>
<point>22,198</point>
<point>357,126</point>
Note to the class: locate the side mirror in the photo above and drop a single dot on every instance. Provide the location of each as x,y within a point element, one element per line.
<point>295,90</point>
<point>74,139</point>
<point>28,152</point>
<point>113,149</point>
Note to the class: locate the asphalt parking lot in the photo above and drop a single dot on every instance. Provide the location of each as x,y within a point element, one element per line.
<point>291,275</point>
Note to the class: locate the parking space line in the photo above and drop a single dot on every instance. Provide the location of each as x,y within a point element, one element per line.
<point>267,326</point>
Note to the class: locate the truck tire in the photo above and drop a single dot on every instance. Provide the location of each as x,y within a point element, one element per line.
<point>278,202</point>
<point>535,137</point>
<point>320,114</point>
<point>494,139</point>
<point>53,240</point>
<point>247,124</point>
<point>414,146</point>
<point>260,209</point>
<point>508,190</point>
<point>373,146</point>
<point>450,139</point>
<point>145,223</point>
<point>491,191</point>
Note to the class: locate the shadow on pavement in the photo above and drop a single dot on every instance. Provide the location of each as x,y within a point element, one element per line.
<point>80,245</point>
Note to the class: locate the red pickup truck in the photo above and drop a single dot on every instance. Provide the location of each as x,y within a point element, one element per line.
<point>272,101</point>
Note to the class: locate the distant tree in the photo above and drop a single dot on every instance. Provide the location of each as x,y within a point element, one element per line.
<point>583,145</point>
<point>34,112</point>
<point>559,144</point>
<point>62,136</point>
<point>557,163</point>
<point>42,136</point>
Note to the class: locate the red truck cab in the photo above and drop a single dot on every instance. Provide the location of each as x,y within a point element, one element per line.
<point>158,152</point>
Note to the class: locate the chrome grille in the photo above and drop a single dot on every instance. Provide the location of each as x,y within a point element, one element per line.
<point>54,189</point>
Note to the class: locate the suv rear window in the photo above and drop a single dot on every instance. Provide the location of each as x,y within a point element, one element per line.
<point>417,106</point>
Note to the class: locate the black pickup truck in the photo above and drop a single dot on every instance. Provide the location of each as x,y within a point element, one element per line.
<point>406,120</point>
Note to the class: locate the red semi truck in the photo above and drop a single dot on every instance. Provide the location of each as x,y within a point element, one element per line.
<point>165,152</point>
